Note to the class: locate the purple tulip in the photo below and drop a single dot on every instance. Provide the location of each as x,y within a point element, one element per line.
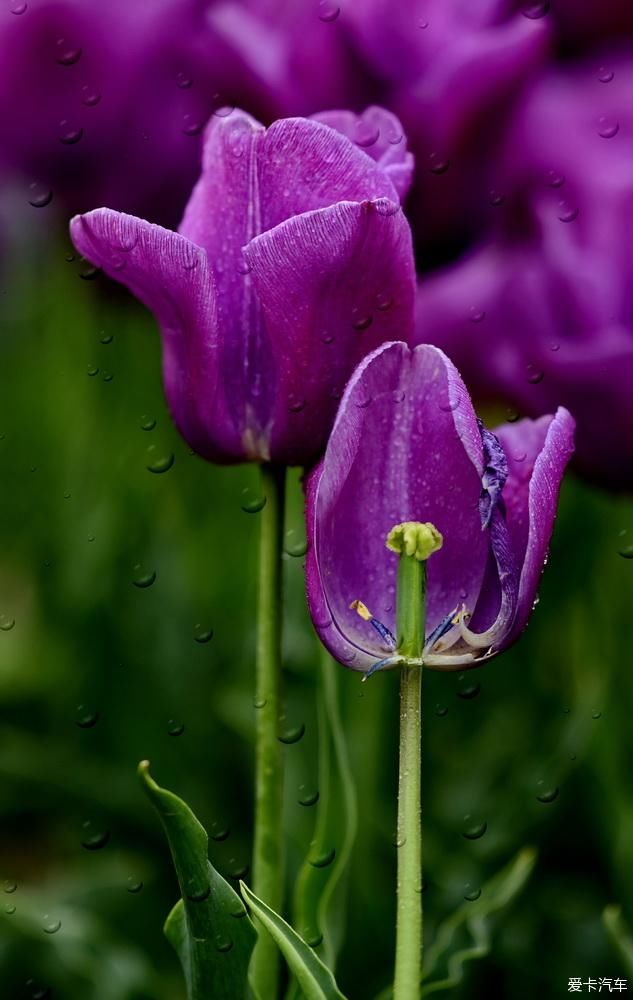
<point>407,446</point>
<point>451,70</point>
<point>541,312</point>
<point>292,262</point>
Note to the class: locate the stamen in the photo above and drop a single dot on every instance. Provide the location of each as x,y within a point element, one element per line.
<point>385,634</point>
<point>444,626</point>
<point>389,661</point>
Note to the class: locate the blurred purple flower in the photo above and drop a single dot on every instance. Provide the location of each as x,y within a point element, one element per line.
<point>406,445</point>
<point>541,313</point>
<point>293,261</point>
<point>106,102</point>
<point>450,69</point>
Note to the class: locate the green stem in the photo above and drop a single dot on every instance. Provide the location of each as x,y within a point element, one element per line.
<point>267,851</point>
<point>410,627</point>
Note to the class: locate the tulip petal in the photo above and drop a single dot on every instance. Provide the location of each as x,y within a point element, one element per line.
<point>379,134</point>
<point>170,275</point>
<point>405,446</point>
<point>538,452</point>
<point>333,285</point>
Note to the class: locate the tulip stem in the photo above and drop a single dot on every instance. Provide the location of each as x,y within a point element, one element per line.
<point>267,851</point>
<point>410,616</point>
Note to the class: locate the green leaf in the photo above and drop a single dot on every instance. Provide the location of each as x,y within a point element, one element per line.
<point>314,978</point>
<point>467,933</point>
<point>620,934</point>
<point>209,927</point>
<point>319,901</point>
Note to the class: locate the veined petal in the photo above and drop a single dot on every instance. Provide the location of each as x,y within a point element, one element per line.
<point>380,135</point>
<point>405,446</point>
<point>171,276</point>
<point>333,284</point>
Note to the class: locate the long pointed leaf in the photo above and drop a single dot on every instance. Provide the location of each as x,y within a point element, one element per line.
<point>314,978</point>
<point>619,934</point>
<point>209,927</point>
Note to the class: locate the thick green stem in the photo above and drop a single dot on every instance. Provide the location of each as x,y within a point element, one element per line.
<point>267,851</point>
<point>410,627</point>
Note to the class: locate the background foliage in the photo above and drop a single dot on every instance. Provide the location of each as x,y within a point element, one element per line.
<point>84,526</point>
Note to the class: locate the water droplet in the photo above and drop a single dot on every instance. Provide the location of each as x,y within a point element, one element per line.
<point>363,322</point>
<point>520,456</point>
<point>134,885</point>
<point>328,11</point>
<point>9,908</point>
<point>312,938</point>
<point>448,405</point>
<point>224,110</point>
<point>605,75</point>
<point>175,728</point>
<point>398,395</point>
<point>244,266</point>
<point>86,717</point>
<point>512,415</point>
<point>50,926</point>
<point>158,463</point>
<point>251,502</point>
<point>567,212</point>
<point>469,691</point>
<point>496,198</point>
<point>292,735</point>
<point>534,374</point>
<point>473,830</point>
<point>143,578</point>
<point>219,831</point>
<point>383,301</point>
<point>93,838</point>
<point>608,127</point>
<point>363,401</point>
<point>90,97</point>
<point>471,894</point>
<point>547,793</point>
<point>236,870</point>
<point>296,544</point>
<point>66,55</point>
<point>107,376</point>
<point>148,423</point>
<point>625,546</point>
<point>259,702</point>
<point>366,134</point>
<point>296,403</point>
<point>477,315</point>
<point>40,196</point>
<point>198,893</point>
<point>202,633</point>
<point>192,125</point>
<point>438,164</point>
<point>323,859</point>
<point>441,711</point>
<point>183,81</point>
<point>238,911</point>
<point>38,991</point>
<point>554,346</point>
<point>223,943</point>
<point>90,273</point>
<point>18,7</point>
<point>308,797</point>
<point>6,623</point>
<point>9,885</point>
<point>596,715</point>
<point>69,136</point>
<point>534,11</point>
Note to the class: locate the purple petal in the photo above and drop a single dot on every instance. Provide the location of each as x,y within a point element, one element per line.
<point>537,452</point>
<point>405,446</point>
<point>379,133</point>
<point>333,285</point>
<point>171,276</point>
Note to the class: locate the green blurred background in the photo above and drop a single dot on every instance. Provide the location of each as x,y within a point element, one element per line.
<point>101,667</point>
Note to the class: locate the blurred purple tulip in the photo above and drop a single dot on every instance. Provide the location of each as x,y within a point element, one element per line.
<point>293,261</point>
<point>450,70</point>
<point>406,445</point>
<point>541,313</point>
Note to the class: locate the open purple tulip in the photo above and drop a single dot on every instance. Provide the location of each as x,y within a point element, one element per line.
<point>407,446</point>
<point>292,262</point>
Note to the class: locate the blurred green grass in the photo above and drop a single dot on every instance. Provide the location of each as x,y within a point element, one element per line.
<point>82,518</point>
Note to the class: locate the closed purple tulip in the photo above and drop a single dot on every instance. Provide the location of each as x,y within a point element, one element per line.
<point>293,261</point>
<point>407,446</point>
<point>541,312</point>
